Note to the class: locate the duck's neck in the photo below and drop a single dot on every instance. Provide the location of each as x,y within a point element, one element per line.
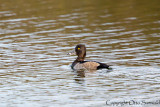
<point>80,59</point>
<point>81,56</point>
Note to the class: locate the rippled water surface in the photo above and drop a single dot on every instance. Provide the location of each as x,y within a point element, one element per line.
<point>36,35</point>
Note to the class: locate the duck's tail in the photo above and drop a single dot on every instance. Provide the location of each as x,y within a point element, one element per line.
<point>102,65</point>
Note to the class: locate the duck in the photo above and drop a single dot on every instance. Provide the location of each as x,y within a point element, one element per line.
<point>80,63</point>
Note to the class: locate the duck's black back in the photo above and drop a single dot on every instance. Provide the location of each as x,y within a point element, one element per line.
<point>102,65</point>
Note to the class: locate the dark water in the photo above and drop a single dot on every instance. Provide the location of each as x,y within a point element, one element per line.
<point>36,35</point>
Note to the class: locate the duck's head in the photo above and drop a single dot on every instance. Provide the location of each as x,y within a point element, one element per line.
<point>80,51</point>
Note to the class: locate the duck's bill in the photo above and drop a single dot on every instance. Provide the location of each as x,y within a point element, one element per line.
<point>71,53</point>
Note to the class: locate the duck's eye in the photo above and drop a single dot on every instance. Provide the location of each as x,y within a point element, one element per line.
<point>79,48</point>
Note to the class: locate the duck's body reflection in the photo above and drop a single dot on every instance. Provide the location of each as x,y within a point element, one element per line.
<point>81,68</point>
<point>80,75</point>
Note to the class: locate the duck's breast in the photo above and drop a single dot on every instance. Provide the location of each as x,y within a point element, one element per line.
<point>78,66</point>
<point>86,65</point>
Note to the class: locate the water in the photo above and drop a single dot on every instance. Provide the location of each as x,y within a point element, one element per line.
<point>35,37</point>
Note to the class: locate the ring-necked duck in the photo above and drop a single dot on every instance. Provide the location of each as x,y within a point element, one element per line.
<point>79,63</point>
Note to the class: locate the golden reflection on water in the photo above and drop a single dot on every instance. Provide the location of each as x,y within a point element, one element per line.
<point>36,35</point>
